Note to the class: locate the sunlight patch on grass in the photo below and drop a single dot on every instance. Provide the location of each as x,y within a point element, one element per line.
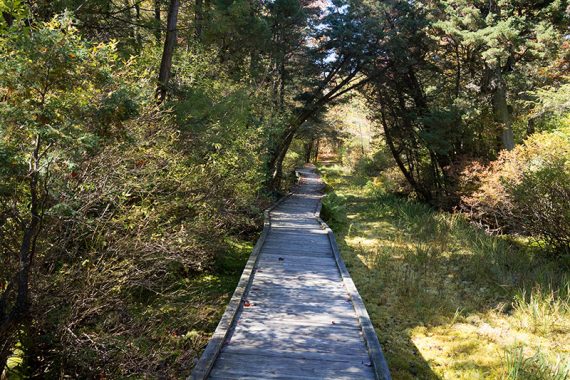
<point>447,300</point>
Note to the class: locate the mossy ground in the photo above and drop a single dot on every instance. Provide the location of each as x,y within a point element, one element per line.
<point>171,329</point>
<point>447,300</point>
<point>189,316</point>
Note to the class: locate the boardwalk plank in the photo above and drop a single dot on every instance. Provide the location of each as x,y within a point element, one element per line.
<point>292,368</point>
<point>299,315</point>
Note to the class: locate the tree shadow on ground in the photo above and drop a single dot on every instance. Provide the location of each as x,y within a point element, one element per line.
<point>434,285</point>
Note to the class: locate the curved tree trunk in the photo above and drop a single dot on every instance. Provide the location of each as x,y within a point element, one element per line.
<point>276,162</point>
<point>407,172</point>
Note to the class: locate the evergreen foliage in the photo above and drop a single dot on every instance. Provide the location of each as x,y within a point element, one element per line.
<point>140,140</point>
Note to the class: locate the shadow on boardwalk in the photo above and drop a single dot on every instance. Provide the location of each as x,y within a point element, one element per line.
<point>297,317</point>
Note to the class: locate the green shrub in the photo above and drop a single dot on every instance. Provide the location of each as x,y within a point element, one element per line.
<point>333,211</point>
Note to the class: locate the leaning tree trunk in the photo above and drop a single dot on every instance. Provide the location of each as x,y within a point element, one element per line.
<point>408,174</point>
<point>169,44</point>
<point>276,162</point>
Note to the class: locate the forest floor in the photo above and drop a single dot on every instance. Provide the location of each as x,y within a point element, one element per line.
<point>207,302</point>
<point>447,300</point>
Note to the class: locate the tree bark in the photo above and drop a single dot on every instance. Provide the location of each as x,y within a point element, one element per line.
<point>282,83</point>
<point>501,111</point>
<point>157,21</point>
<point>169,45</point>
<point>309,150</point>
<point>316,155</point>
<point>198,19</point>
<point>11,320</point>
<point>138,37</point>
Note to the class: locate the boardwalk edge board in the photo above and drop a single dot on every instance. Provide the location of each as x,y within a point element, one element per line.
<point>378,367</point>
<point>206,362</point>
<point>379,363</point>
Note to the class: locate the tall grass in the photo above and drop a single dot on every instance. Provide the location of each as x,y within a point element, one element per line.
<point>436,269</point>
<point>518,366</point>
<point>542,311</point>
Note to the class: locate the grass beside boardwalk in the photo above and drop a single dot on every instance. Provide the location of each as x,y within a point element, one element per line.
<point>171,328</point>
<point>189,317</point>
<point>447,300</point>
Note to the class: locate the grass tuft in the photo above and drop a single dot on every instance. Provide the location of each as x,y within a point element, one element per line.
<point>535,367</point>
<point>445,297</point>
<point>542,311</point>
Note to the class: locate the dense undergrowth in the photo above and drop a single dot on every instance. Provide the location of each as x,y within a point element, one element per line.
<point>447,299</point>
<point>147,214</point>
<point>140,140</point>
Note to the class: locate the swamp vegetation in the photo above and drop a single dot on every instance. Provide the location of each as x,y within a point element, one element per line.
<point>140,141</point>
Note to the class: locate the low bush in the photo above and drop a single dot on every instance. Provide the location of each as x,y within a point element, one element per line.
<point>333,210</point>
<point>527,190</point>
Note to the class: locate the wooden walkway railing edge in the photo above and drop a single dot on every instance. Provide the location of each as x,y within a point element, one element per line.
<point>206,362</point>
<point>378,361</point>
<point>204,365</point>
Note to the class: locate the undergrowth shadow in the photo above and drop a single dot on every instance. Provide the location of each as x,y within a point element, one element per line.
<point>434,284</point>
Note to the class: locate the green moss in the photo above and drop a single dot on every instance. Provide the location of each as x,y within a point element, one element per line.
<point>441,293</point>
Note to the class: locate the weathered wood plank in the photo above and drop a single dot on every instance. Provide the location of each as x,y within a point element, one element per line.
<point>294,253</point>
<point>296,249</point>
<point>295,314</point>
<point>323,357</point>
<point>298,269</point>
<point>302,309</point>
<point>315,262</point>
<point>297,345</point>
<point>301,319</point>
<point>291,367</point>
<point>300,329</point>
<point>296,295</point>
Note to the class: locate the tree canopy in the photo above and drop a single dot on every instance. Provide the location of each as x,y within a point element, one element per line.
<point>139,138</point>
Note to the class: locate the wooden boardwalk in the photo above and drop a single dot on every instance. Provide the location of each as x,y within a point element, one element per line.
<point>295,313</point>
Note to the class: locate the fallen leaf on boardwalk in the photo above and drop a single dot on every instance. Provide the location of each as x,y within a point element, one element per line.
<point>246,303</point>
<point>281,259</point>
<point>333,322</point>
